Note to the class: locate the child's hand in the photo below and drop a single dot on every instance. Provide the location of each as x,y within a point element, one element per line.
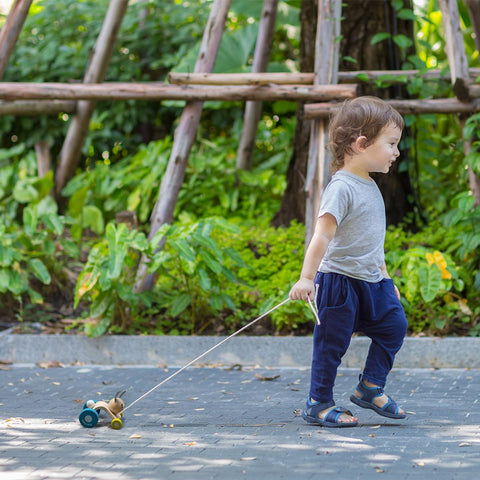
<point>397,291</point>
<point>303,290</point>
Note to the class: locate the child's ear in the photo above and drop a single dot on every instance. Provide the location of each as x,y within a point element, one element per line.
<point>361,143</point>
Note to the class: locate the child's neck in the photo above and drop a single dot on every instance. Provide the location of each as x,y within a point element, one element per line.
<point>350,167</point>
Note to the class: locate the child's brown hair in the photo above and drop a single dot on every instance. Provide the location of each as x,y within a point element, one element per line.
<point>362,116</point>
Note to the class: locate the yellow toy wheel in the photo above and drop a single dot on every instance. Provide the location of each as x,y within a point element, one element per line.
<point>116,424</point>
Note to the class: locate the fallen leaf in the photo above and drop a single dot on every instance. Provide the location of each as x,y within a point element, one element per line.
<point>53,364</point>
<point>135,435</point>
<point>379,470</point>
<point>266,379</point>
<point>372,435</point>
<point>189,443</point>
<point>421,464</point>
<point>237,366</point>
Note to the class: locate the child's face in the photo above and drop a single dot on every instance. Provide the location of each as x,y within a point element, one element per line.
<point>384,150</point>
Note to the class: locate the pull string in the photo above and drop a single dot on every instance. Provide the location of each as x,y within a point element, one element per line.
<point>314,310</point>
<point>210,350</point>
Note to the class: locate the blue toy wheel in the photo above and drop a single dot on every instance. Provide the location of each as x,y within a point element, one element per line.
<point>88,417</point>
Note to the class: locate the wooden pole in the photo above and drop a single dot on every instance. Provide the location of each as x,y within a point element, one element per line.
<point>474,10</point>
<point>36,107</point>
<point>295,78</point>
<point>11,31</point>
<point>455,49</point>
<point>184,137</point>
<point>78,130</point>
<point>405,107</point>
<point>326,69</point>
<point>161,91</point>
<point>457,58</point>
<point>44,163</point>
<point>253,110</point>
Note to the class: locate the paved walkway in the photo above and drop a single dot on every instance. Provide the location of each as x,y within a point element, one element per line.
<point>219,423</point>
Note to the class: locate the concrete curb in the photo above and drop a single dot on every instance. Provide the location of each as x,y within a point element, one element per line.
<point>424,352</point>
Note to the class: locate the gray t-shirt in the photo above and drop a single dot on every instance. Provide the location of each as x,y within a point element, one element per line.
<point>357,249</point>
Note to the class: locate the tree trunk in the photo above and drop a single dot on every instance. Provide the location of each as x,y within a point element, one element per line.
<point>293,201</point>
<point>361,21</point>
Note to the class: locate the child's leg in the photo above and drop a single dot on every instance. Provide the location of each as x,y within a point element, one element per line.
<point>384,321</point>
<point>337,305</point>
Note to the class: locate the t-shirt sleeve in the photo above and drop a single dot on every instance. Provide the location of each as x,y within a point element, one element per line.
<point>335,200</point>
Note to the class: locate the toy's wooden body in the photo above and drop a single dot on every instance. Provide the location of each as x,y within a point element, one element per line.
<point>91,411</point>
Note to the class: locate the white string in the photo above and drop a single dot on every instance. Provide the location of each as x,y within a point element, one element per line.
<point>314,310</point>
<point>205,353</point>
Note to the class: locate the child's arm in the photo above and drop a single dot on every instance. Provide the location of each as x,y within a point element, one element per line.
<point>384,271</point>
<point>325,229</point>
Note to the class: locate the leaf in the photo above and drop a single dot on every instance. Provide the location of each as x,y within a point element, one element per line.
<point>180,304</point>
<point>406,14</point>
<point>40,270</point>
<point>184,249</point>
<point>53,222</point>
<point>210,261</point>
<point>379,37</point>
<point>402,41</point>
<point>93,218</point>
<point>204,279</point>
<point>30,219</point>
<point>101,304</point>
<point>430,279</point>
<point>266,379</point>
<point>24,192</point>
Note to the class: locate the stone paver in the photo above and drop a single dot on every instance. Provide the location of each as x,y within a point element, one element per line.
<point>220,423</point>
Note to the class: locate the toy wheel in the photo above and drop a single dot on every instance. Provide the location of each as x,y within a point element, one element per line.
<point>116,423</point>
<point>88,417</point>
<point>89,404</point>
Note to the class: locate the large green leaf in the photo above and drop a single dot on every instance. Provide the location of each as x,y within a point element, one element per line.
<point>40,270</point>
<point>180,304</point>
<point>93,218</point>
<point>430,279</point>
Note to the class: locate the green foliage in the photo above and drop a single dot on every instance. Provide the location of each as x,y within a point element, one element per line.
<point>107,280</point>
<point>274,257</point>
<point>436,278</point>
<point>191,277</point>
<point>31,236</point>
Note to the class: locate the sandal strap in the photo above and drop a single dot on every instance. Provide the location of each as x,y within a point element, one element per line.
<point>312,409</point>
<point>391,406</point>
<point>369,393</point>
<point>333,415</point>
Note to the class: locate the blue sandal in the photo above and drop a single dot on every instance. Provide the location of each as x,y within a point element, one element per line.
<point>368,394</point>
<point>310,414</point>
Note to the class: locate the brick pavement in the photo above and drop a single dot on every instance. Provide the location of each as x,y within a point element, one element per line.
<point>219,423</point>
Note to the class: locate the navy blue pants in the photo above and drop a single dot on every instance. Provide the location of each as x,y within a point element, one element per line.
<point>347,305</point>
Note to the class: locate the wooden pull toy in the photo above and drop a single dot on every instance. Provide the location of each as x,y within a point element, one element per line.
<point>114,409</point>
